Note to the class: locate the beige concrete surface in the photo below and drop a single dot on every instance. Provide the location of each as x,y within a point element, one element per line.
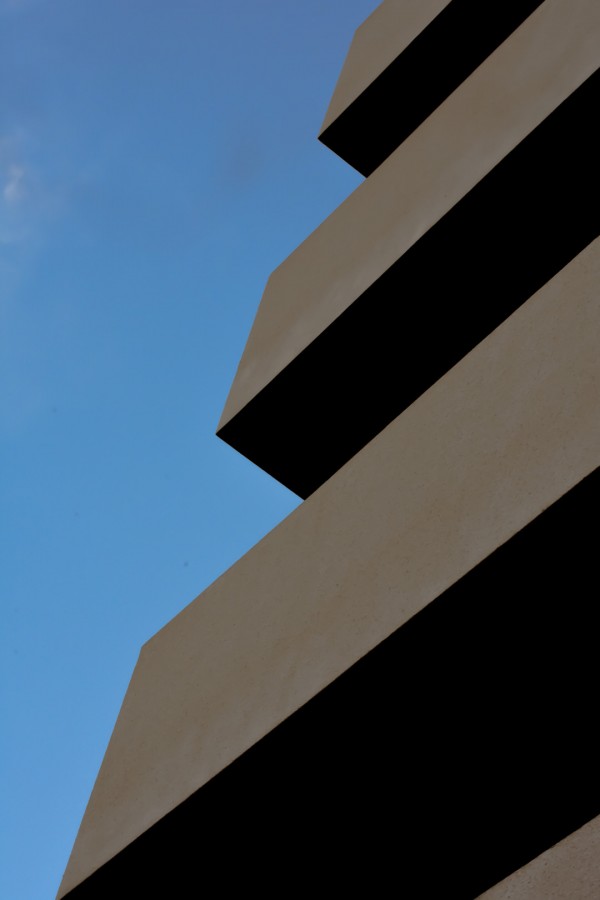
<point>503,435</point>
<point>523,81</point>
<point>376,43</point>
<point>568,871</point>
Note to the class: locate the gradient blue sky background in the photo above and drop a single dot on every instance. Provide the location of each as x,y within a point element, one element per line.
<point>157,160</point>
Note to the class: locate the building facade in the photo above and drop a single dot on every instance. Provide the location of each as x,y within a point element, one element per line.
<point>392,690</point>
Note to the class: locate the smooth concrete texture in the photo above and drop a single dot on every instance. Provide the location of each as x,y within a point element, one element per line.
<point>508,431</point>
<point>568,871</point>
<point>405,59</point>
<point>377,42</point>
<point>506,238</point>
<point>423,770</point>
<point>474,130</point>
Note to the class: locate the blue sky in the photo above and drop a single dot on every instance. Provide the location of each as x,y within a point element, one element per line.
<point>157,161</point>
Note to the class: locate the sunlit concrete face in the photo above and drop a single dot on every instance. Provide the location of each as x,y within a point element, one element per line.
<point>393,687</point>
<point>405,59</point>
<point>440,744</point>
<point>381,38</point>
<point>505,434</point>
<point>568,871</point>
<point>494,187</point>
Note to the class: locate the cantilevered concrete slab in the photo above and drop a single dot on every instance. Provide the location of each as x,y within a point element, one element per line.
<point>568,871</point>
<point>405,59</point>
<point>511,430</point>
<point>479,207</point>
<point>454,752</point>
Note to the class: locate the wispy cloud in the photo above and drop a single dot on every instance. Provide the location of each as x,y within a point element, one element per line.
<point>13,191</point>
<point>19,235</point>
<point>26,207</point>
<point>27,200</point>
<point>14,184</point>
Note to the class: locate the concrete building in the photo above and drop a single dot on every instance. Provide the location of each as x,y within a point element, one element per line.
<point>393,689</point>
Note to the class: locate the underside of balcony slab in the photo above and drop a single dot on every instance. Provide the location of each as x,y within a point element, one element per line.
<point>479,208</point>
<point>453,753</point>
<point>482,698</point>
<point>568,871</point>
<point>405,59</point>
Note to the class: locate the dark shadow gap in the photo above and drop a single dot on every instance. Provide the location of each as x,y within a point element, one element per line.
<point>504,240</point>
<point>433,65</point>
<point>459,749</point>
